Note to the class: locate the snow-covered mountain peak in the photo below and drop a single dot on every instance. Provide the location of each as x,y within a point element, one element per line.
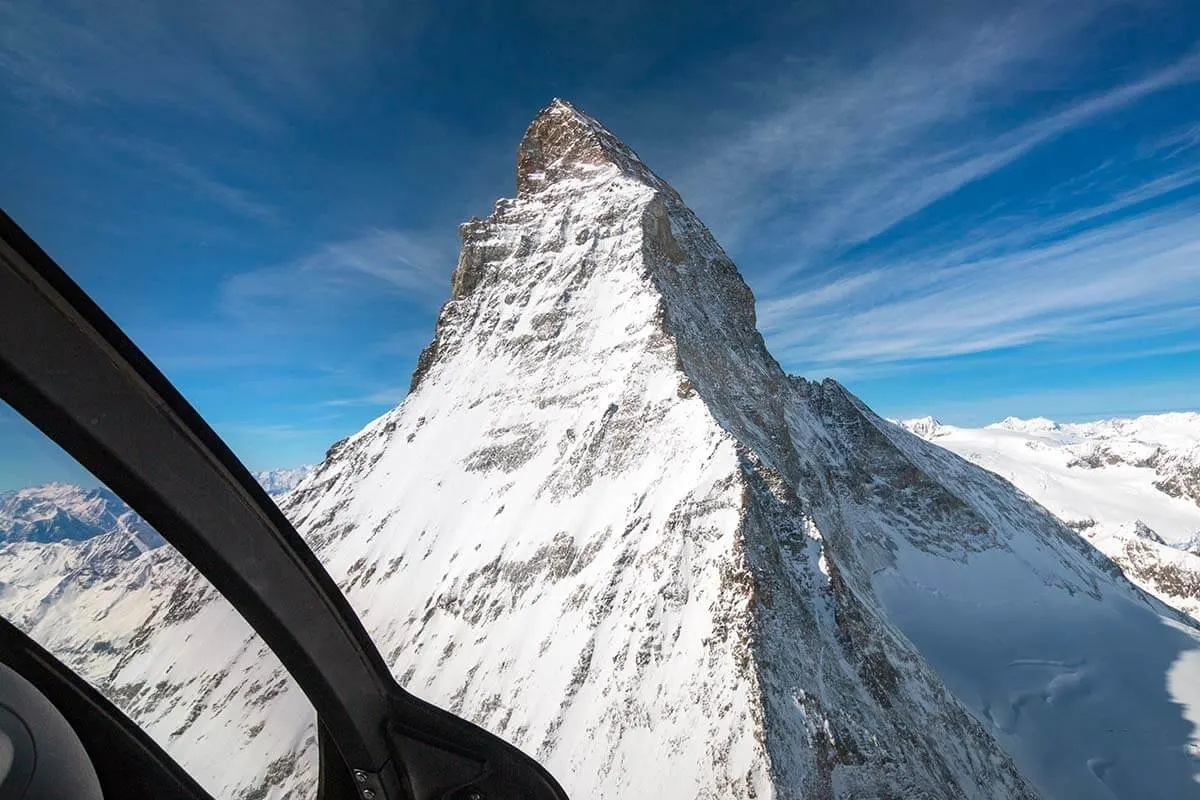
<point>602,257</point>
<point>56,512</point>
<point>600,457</point>
<point>1177,430</point>
<point>564,143</point>
<point>925,427</point>
<point>279,481</point>
<point>1032,425</point>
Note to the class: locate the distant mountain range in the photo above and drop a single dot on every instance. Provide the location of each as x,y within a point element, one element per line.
<point>1129,486</point>
<point>56,512</point>
<point>280,481</point>
<point>63,512</point>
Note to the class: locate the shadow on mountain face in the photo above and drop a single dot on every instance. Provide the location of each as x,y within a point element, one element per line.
<point>1090,684</point>
<point>1086,699</point>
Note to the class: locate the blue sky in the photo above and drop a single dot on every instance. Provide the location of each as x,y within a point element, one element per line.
<point>966,210</point>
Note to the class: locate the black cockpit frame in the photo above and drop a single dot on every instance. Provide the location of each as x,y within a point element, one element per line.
<point>73,373</point>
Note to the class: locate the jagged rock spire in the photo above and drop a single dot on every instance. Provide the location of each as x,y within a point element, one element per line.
<point>562,141</point>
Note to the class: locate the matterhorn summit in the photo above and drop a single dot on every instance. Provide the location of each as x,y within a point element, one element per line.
<point>581,530</point>
<point>608,527</point>
<point>622,537</point>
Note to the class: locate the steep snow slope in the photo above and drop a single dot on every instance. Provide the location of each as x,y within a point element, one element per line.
<point>1130,486</point>
<point>606,525</point>
<point>156,638</point>
<point>1092,687</point>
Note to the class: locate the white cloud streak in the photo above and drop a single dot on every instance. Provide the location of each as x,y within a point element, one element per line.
<point>336,277</point>
<point>168,163</point>
<point>387,396</point>
<point>1129,279</point>
<point>849,153</point>
<point>247,63</point>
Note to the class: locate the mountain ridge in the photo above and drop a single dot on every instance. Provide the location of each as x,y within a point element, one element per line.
<point>65,512</point>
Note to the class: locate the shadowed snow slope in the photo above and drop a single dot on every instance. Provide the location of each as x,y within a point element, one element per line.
<point>1131,487</point>
<point>606,525</point>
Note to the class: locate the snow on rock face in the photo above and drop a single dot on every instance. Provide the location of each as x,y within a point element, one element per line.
<point>1167,443</point>
<point>925,427</point>
<point>1179,473</point>
<point>1034,425</point>
<point>1046,639</point>
<point>607,526</point>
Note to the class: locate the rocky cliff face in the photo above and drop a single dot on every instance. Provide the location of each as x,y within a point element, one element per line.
<point>608,527</point>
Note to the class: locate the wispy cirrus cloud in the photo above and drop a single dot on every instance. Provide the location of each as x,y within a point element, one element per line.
<point>1130,279</point>
<point>340,321</point>
<point>850,151</point>
<point>311,347</point>
<point>336,277</point>
<point>1175,142</point>
<point>385,396</point>
<point>190,94</point>
<point>839,135</point>
<point>813,192</point>
<point>246,63</point>
<point>168,163</point>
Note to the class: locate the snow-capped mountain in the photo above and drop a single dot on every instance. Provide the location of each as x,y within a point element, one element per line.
<point>1130,486</point>
<point>280,481</point>
<point>55,512</point>
<point>605,525</point>
<point>64,512</point>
